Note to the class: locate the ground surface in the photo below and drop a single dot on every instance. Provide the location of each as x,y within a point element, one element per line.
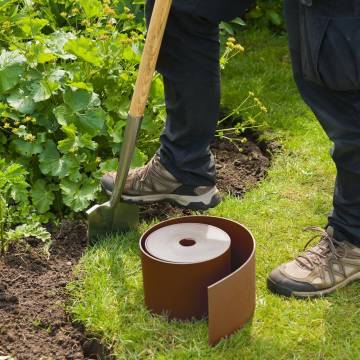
<point>296,193</point>
<point>33,321</point>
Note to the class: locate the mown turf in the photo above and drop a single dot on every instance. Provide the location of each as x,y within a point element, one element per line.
<point>297,192</point>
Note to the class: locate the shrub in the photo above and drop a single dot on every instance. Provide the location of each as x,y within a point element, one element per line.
<point>67,70</point>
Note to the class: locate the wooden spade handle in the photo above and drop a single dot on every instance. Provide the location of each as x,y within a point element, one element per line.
<point>150,55</point>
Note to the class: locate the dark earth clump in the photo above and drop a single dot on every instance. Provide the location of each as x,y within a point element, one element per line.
<point>33,320</point>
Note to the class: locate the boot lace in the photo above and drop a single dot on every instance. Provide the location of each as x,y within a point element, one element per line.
<point>326,247</point>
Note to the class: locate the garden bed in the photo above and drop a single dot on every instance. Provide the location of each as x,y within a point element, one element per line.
<point>33,319</point>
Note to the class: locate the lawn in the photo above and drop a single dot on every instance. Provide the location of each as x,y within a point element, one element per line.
<point>297,192</point>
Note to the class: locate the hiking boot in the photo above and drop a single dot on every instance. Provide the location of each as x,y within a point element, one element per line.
<point>153,183</point>
<point>328,266</point>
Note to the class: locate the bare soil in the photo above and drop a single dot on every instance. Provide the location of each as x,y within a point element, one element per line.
<point>33,320</point>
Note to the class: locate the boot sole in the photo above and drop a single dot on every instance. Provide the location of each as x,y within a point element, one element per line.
<point>284,291</point>
<point>199,202</point>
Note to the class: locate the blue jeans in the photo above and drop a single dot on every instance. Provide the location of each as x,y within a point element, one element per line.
<point>324,41</point>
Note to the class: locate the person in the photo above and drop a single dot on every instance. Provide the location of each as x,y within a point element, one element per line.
<point>183,170</point>
<point>324,41</point>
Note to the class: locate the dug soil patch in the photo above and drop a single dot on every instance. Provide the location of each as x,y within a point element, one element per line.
<point>33,320</point>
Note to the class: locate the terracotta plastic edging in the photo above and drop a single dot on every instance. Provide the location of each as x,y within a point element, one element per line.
<point>222,288</point>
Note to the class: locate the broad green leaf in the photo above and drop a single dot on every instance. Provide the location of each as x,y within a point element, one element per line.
<point>129,54</point>
<point>31,26</point>
<point>84,49</point>
<point>51,163</point>
<point>15,182</point>
<point>109,165</point>
<point>27,149</point>
<point>11,69</point>
<point>92,8</point>
<point>81,85</point>
<point>40,91</point>
<point>5,3</point>
<point>73,142</point>
<point>10,58</point>
<point>45,57</point>
<point>78,195</point>
<point>139,158</point>
<point>274,17</point>
<point>56,75</point>
<point>21,101</point>
<point>64,115</point>
<point>41,196</point>
<point>117,133</point>
<point>239,21</point>
<point>56,41</point>
<point>227,28</point>
<point>92,121</point>
<point>77,99</point>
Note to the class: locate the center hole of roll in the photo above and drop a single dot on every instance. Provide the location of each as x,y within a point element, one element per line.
<point>187,242</point>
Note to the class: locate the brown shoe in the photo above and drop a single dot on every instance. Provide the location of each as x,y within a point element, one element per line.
<point>153,183</point>
<point>326,267</point>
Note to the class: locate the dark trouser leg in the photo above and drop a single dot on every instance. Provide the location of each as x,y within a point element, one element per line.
<point>339,114</point>
<point>189,63</point>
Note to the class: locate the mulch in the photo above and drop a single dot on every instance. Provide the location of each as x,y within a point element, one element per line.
<point>34,323</point>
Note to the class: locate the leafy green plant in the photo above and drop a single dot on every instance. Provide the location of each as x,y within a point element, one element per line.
<point>268,13</point>
<point>241,118</point>
<point>15,209</point>
<point>229,28</point>
<point>66,77</point>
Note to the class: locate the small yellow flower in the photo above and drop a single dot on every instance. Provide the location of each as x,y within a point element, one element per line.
<point>251,93</point>
<point>108,10</point>
<point>85,22</point>
<point>75,10</point>
<point>231,39</point>
<point>239,47</point>
<point>63,14</point>
<point>103,37</point>
<point>27,118</point>
<point>29,137</point>
<point>7,125</point>
<point>131,16</point>
<point>17,123</point>
<point>98,160</point>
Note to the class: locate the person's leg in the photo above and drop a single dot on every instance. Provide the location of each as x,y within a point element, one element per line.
<point>335,260</point>
<point>339,114</point>
<point>183,170</point>
<point>189,63</point>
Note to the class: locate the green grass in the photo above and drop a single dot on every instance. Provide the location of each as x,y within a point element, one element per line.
<point>297,192</point>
